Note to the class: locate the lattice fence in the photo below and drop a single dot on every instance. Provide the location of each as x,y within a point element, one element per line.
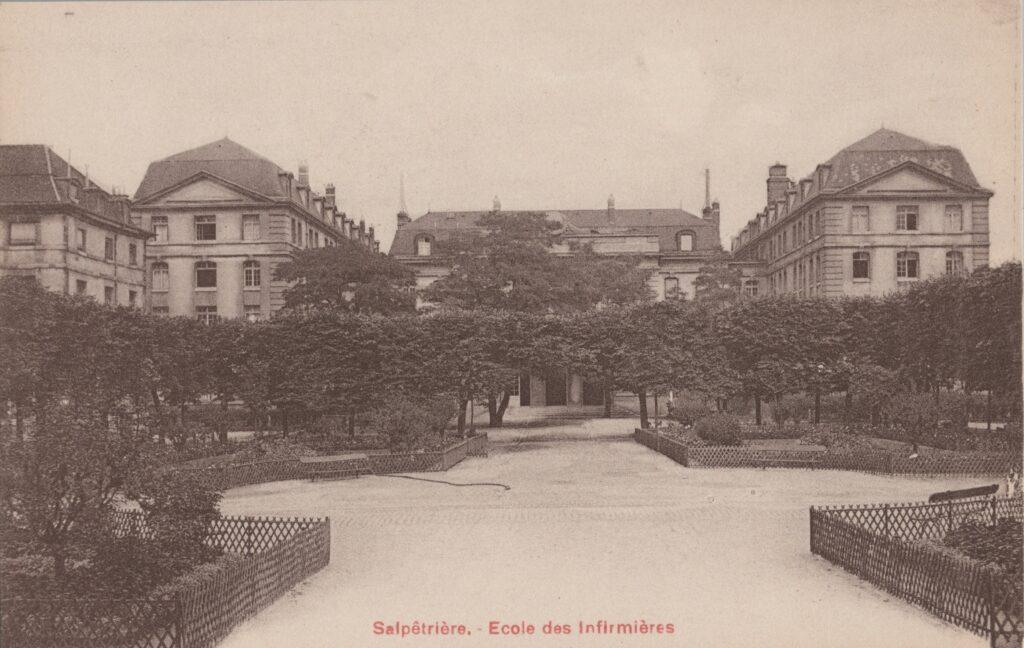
<point>280,552</point>
<point>882,544</point>
<point>85,623</point>
<point>964,463</point>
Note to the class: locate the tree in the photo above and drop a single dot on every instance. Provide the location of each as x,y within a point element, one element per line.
<point>348,277</point>
<point>717,282</point>
<point>508,263</point>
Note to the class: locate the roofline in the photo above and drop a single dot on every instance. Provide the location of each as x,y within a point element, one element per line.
<point>76,209</point>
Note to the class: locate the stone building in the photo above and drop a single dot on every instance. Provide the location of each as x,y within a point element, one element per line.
<point>882,213</point>
<point>672,243</point>
<point>223,218</point>
<point>70,235</point>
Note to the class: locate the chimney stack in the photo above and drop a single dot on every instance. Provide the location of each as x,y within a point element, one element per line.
<point>329,197</point>
<point>778,183</point>
<point>303,175</point>
<point>497,204</point>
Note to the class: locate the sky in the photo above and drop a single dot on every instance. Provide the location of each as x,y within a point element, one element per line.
<point>548,105</point>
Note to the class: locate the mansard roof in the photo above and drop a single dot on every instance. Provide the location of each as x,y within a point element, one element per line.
<point>663,223</point>
<point>885,149</point>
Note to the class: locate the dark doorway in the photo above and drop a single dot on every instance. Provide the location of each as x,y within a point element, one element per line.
<point>592,393</point>
<point>554,388</point>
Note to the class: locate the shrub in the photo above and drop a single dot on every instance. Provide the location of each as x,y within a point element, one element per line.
<point>411,422</point>
<point>1000,544</point>
<point>687,413</point>
<point>719,429</point>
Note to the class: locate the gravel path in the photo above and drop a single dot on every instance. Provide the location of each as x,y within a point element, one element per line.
<point>595,527</point>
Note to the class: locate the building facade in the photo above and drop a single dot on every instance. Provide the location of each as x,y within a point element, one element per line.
<point>881,214</point>
<point>71,236</point>
<point>223,218</point>
<point>673,244</point>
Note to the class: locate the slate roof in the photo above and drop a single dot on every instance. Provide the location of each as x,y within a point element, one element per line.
<point>885,149</point>
<point>225,159</point>
<point>663,223</point>
<point>33,173</point>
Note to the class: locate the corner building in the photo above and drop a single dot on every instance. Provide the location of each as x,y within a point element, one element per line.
<point>884,212</point>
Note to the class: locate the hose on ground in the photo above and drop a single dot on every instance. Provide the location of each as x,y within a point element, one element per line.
<point>441,481</point>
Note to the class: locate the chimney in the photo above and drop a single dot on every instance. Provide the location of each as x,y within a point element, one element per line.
<point>303,174</point>
<point>824,173</point>
<point>329,198</point>
<point>611,207</point>
<point>791,197</point>
<point>778,183</point>
<point>713,216</point>
<point>403,218</point>
<point>497,204</point>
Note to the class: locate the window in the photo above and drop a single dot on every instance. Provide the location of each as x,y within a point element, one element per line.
<point>906,265</point>
<point>81,287</point>
<point>80,241</point>
<point>206,314</point>
<point>206,228</point>
<point>954,262</point>
<point>423,245</point>
<point>252,313</point>
<point>206,274</point>
<point>133,254</point>
<point>108,249</point>
<point>160,310</point>
<point>295,233</point>
<point>860,219</point>
<point>954,218</point>
<point>24,233</point>
<point>108,294</point>
<point>684,241</point>
<point>861,265</point>
<point>250,227</point>
<point>132,297</point>
<point>906,218</point>
<point>160,278</point>
<point>750,287</point>
<point>251,274</point>
<point>160,228</point>
<point>671,287</point>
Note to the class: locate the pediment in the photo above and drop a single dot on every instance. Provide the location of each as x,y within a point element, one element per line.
<point>203,188</point>
<point>907,179</point>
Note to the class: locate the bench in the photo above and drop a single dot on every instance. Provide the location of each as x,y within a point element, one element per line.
<point>347,466</point>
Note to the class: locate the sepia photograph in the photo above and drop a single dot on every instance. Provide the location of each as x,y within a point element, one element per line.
<point>511,323</point>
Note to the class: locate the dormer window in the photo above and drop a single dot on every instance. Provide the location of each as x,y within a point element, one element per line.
<point>684,241</point>
<point>423,244</point>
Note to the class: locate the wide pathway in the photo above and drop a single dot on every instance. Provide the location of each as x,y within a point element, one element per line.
<point>595,527</point>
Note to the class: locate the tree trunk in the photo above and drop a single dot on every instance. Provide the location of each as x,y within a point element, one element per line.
<point>461,427</point>
<point>642,395</point>
<point>496,409</point>
<point>817,407</point>
<point>222,425</point>
<point>607,403</point>
<point>757,408</point>
<point>656,413</point>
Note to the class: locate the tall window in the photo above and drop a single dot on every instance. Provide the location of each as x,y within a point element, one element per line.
<point>81,287</point>
<point>671,287</point>
<point>24,233</point>
<point>160,278</point>
<point>252,313</point>
<point>750,287</point>
<point>133,254</point>
<point>160,228</point>
<point>684,241</point>
<point>108,248</point>
<point>250,227</point>
<point>132,297</point>
<point>907,265</point>
<point>861,265</point>
<point>206,274</point>
<point>108,294</point>
<point>206,314</point>
<point>954,218</point>
<point>423,245</point>
<point>860,219</point>
<point>954,262</point>
<point>206,228</point>
<point>251,274</point>
<point>80,239</point>
<point>906,218</point>
<point>295,233</point>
